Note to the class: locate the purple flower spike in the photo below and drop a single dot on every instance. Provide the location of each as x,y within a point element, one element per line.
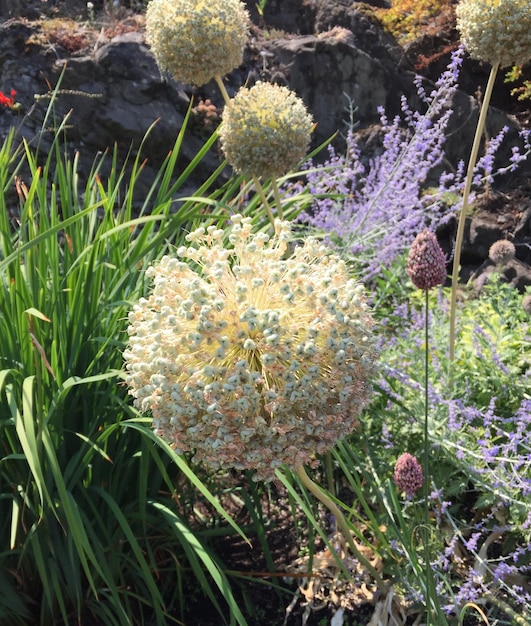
<point>426,263</point>
<point>408,474</point>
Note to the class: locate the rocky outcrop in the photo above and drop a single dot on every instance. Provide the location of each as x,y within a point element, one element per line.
<point>333,53</point>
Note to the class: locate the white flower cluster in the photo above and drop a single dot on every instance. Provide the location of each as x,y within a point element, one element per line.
<point>496,30</point>
<point>255,360</point>
<point>197,40</point>
<point>265,130</point>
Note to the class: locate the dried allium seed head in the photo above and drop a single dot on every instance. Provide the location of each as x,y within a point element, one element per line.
<point>265,130</point>
<point>408,474</point>
<point>256,360</point>
<point>502,251</point>
<point>426,263</point>
<point>526,303</point>
<point>197,40</point>
<point>496,30</point>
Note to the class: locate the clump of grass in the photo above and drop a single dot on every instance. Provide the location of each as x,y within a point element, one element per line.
<point>91,522</point>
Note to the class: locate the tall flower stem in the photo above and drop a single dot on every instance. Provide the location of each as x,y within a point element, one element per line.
<point>342,524</point>
<point>278,201</point>
<point>262,195</point>
<point>426,463</point>
<point>464,209</point>
<point>223,89</point>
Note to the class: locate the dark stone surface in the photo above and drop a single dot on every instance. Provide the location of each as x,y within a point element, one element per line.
<point>331,52</point>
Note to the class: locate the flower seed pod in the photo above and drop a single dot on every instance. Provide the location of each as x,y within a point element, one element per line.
<point>497,31</point>
<point>255,360</point>
<point>265,130</point>
<point>502,251</point>
<point>426,263</point>
<point>197,40</point>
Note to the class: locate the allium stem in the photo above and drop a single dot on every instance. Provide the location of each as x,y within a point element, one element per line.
<point>341,522</point>
<point>223,89</point>
<point>426,469</point>
<point>277,199</point>
<point>262,195</point>
<point>464,208</point>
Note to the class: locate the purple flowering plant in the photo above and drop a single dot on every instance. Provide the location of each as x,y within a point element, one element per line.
<point>370,207</point>
<point>479,438</point>
<point>478,434</point>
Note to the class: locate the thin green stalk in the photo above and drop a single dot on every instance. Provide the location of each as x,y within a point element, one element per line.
<point>329,471</point>
<point>223,89</point>
<point>278,201</point>
<point>341,522</point>
<point>262,195</point>
<point>464,209</point>
<point>426,460</point>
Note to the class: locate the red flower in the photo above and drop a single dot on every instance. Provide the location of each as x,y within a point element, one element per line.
<point>8,101</point>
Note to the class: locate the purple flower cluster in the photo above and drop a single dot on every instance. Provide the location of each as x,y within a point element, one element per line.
<point>370,208</point>
<point>483,570</point>
<point>481,436</point>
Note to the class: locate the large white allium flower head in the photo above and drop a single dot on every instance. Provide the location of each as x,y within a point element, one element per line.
<point>265,130</point>
<point>197,40</point>
<point>250,357</point>
<point>497,31</point>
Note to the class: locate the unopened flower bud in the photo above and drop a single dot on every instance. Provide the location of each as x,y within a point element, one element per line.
<point>426,263</point>
<point>408,474</point>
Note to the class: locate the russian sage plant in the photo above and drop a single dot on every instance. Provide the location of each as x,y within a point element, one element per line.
<point>371,209</point>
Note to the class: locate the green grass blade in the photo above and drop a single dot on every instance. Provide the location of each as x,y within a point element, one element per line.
<point>195,550</point>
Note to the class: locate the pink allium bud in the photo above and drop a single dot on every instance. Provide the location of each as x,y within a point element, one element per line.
<point>408,475</point>
<point>426,263</point>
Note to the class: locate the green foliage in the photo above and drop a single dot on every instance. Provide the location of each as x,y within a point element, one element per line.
<point>95,516</point>
<point>522,91</point>
<point>407,19</point>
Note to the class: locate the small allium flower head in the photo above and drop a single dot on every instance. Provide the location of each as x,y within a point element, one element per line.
<point>265,130</point>
<point>197,40</point>
<point>255,360</point>
<point>496,30</point>
<point>426,263</point>
<point>408,474</point>
<point>502,251</point>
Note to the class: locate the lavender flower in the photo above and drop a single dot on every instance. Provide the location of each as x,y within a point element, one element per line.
<point>408,474</point>
<point>426,263</point>
<point>369,209</point>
